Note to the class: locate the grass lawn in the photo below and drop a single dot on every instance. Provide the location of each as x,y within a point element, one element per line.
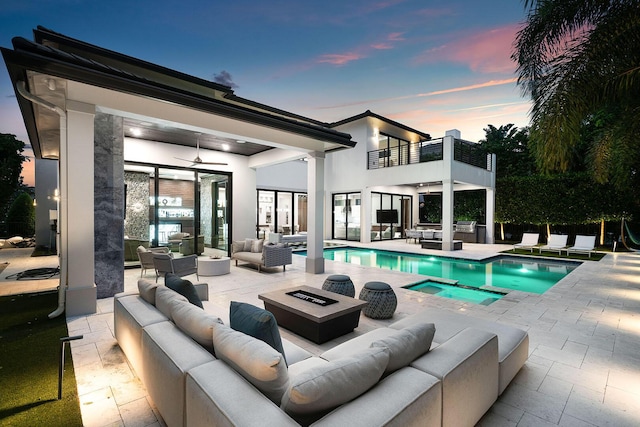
<point>29,361</point>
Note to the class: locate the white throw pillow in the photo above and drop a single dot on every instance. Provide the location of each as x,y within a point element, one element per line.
<point>147,291</point>
<point>195,322</point>
<point>164,296</point>
<point>256,245</point>
<point>407,344</point>
<point>248,243</point>
<point>255,360</point>
<point>326,386</point>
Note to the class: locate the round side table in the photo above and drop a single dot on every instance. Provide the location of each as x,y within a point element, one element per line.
<point>213,266</point>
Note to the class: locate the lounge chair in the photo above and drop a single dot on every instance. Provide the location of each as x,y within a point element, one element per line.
<point>529,241</point>
<point>583,244</point>
<point>556,242</point>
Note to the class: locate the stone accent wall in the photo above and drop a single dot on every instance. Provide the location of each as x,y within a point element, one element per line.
<point>108,204</point>
<point>206,209</point>
<point>136,224</point>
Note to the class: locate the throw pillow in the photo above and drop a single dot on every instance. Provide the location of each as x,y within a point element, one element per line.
<point>194,322</point>
<point>256,245</point>
<point>326,386</point>
<point>247,244</point>
<point>257,322</point>
<point>183,287</point>
<point>255,360</point>
<point>164,296</point>
<point>147,291</point>
<point>407,344</point>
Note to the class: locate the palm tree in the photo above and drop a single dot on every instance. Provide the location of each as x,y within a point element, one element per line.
<point>579,60</point>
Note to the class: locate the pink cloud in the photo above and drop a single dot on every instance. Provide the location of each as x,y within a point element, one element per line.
<point>339,58</point>
<point>485,52</point>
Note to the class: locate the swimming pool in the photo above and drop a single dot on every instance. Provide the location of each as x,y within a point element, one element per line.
<point>504,271</point>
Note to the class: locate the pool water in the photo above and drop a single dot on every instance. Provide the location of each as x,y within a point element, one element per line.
<point>457,292</point>
<point>508,272</point>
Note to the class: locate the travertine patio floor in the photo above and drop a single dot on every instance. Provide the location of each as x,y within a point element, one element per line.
<point>583,367</point>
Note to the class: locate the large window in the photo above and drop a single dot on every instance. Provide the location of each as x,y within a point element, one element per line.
<point>393,151</point>
<point>161,202</point>
<point>390,215</point>
<point>282,212</point>
<point>346,216</point>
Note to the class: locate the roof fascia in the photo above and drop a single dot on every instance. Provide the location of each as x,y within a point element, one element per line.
<point>369,113</point>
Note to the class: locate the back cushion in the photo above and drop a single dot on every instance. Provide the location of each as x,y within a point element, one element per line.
<point>164,296</point>
<point>407,344</point>
<point>255,360</point>
<point>325,386</point>
<point>194,322</point>
<point>147,291</point>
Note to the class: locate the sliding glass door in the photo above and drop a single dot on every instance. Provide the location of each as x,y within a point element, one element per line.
<point>346,216</point>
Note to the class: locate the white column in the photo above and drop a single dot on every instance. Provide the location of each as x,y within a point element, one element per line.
<point>447,194</point>
<point>490,216</point>
<point>77,232</point>
<point>491,203</point>
<point>315,213</point>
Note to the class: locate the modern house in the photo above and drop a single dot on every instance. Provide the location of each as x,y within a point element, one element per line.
<point>144,153</point>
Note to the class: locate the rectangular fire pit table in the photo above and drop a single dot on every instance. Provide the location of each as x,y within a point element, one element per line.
<point>318,323</point>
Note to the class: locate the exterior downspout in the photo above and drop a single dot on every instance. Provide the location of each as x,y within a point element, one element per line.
<point>22,90</point>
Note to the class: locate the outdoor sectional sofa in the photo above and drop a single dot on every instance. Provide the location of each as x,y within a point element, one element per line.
<point>200,372</point>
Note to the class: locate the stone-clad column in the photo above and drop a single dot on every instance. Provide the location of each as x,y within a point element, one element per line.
<point>109,204</point>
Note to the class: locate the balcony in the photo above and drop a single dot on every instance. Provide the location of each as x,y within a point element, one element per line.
<point>428,151</point>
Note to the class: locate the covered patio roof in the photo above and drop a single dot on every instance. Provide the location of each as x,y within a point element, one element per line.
<point>168,106</point>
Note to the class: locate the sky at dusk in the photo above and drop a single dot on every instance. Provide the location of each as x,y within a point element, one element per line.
<point>432,65</point>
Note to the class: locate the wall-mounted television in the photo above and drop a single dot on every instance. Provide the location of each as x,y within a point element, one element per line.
<point>387,216</point>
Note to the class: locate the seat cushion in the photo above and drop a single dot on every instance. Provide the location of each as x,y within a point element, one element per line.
<point>257,322</point>
<point>183,287</point>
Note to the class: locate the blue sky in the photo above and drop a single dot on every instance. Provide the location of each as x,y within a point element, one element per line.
<point>432,65</point>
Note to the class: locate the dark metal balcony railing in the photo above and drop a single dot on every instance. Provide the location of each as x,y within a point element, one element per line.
<point>427,151</point>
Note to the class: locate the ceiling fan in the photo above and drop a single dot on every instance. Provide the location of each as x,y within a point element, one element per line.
<point>198,160</point>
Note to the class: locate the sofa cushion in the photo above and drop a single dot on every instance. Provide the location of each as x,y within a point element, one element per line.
<point>248,243</point>
<point>164,296</point>
<point>183,287</point>
<point>256,245</point>
<point>147,291</point>
<point>257,322</point>
<point>194,322</point>
<point>407,344</point>
<point>328,385</point>
<point>252,358</point>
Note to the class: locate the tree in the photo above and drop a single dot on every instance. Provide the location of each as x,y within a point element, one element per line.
<point>11,160</point>
<point>21,216</point>
<point>579,61</point>
<point>511,147</point>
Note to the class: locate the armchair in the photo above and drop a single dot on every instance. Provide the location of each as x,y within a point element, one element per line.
<point>145,255</point>
<point>183,266</point>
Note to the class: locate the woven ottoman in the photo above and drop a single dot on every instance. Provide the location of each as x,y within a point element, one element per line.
<point>381,298</point>
<point>339,284</point>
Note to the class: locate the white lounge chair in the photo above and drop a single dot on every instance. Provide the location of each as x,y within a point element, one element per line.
<point>583,244</point>
<point>529,241</point>
<point>556,242</point>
